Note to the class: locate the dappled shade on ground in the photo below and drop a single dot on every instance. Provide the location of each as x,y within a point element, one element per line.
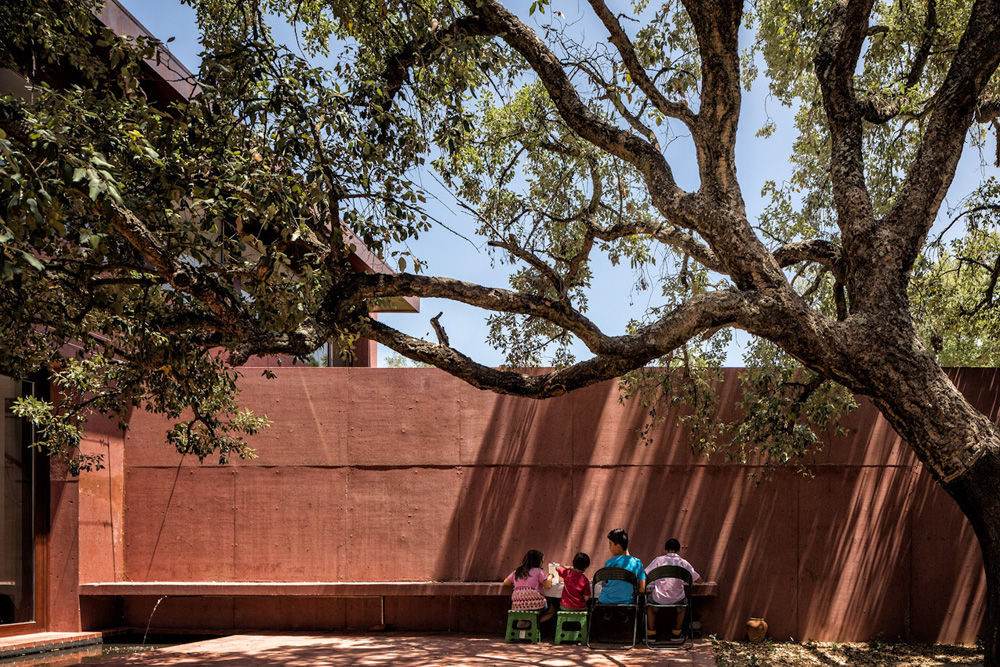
<point>402,650</point>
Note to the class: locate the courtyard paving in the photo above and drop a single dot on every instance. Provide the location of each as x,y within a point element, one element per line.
<point>402,650</point>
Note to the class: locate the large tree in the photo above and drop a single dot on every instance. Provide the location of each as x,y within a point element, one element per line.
<point>168,243</point>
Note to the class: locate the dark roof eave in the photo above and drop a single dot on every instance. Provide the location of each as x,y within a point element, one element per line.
<point>167,67</point>
<point>364,260</point>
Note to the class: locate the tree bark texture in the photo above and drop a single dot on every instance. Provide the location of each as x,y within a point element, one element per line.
<point>977,492</point>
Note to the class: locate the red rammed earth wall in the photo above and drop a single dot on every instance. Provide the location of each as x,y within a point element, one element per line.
<point>409,474</point>
<point>85,529</point>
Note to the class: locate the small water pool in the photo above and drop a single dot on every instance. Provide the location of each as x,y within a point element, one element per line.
<point>115,645</point>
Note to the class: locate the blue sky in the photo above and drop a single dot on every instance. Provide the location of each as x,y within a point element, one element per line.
<point>613,301</point>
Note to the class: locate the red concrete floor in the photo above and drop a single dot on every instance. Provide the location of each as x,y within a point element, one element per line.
<point>403,650</point>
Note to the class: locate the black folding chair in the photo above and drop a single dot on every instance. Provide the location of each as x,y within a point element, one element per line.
<point>602,576</point>
<point>669,572</point>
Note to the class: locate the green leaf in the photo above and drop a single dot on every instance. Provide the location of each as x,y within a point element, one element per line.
<point>113,193</point>
<point>33,207</point>
<point>34,261</point>
<point>98,160</point>
<point>97,186</point>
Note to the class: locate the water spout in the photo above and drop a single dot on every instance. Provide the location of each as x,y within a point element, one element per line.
<point>148,622</point>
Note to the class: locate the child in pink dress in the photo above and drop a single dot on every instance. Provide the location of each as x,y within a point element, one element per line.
<point>529,581</point>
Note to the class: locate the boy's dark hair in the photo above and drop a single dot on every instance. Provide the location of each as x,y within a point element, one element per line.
<point>672,545</point>
<point>581,561</point>
<point>619,537</point>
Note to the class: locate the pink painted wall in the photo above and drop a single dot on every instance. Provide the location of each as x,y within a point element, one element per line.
<point>409,474</point>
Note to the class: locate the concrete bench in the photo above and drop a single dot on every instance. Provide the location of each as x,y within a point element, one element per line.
<point>314,588</point>
<point>229,606</point>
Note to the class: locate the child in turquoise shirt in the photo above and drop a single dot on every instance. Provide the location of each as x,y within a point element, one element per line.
<point>621,592</point>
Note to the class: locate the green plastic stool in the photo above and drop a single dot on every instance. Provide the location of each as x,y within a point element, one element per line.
<point>566,635</point>
<point>531,634</point>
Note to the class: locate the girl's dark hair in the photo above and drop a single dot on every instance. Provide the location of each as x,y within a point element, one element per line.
<point>532,559</point>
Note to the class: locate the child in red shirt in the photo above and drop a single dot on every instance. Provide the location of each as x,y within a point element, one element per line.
<point>576,586</point>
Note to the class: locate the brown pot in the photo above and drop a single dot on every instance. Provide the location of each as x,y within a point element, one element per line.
<point>756,630</point>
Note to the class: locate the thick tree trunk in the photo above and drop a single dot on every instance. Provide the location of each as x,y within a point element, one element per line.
<point>915,395</point>
<point>958,445</point>
<point>978,494</point>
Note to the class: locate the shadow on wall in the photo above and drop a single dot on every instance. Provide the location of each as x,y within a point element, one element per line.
<point>868,547</point>
<point>384,474</point>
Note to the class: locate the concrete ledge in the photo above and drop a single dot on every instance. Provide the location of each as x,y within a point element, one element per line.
<point>293,588</point>
<point>37,642</point>
<point>315,588</point>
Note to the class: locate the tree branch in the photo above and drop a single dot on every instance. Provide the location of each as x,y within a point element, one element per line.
<point>717,212</point>
<point>827,254</point>
<point>218,299</point>
<point>835,63</point>
<point>587,216</point>
<point>614,140</point>
<point>987,110</point>
<point>840,300</point>
<point>920,59</point>
<point>611,95</point>
<point>373,286</point>
<point>229,315</point>
<point>414,53</point>
<point>665,233</point>
<point>636,70</point>
<point>439,330</point>
<point>879,110</point>
<point>717,25</point>
<point>721,218</point>
<point>634,350</point>
<point>931,173</point>
<point>987,300</point>
<point>532,259</point>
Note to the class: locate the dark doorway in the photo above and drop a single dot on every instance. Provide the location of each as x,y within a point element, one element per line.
<point>20,537</point>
